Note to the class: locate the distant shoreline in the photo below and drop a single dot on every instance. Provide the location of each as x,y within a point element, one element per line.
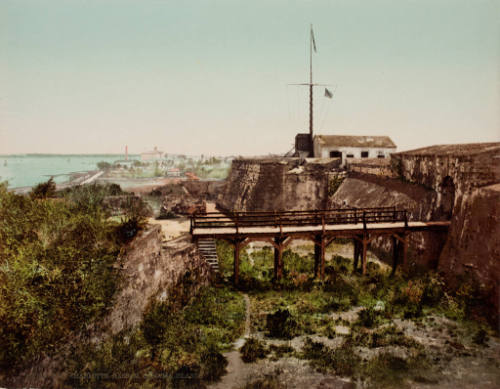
<point>66,155</point>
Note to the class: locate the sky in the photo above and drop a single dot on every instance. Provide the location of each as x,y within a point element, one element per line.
<point>212,76</point>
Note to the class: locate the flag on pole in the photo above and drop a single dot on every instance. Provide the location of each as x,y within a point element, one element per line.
<point>312,39</point>
<point>328,93</point>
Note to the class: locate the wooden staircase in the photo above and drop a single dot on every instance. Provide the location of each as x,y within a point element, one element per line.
<point>207,249</point>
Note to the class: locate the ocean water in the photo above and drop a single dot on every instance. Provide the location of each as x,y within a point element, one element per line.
<point>31,169</point>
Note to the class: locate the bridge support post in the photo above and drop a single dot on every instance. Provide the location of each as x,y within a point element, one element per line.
<point>317,259</point>
<point>395,254</point>
<point>319,256</point>
<point>363,258</point>
<point>356,255</point>
<point>405,248</point>
<point>322,268</point>
<point>278,258</point>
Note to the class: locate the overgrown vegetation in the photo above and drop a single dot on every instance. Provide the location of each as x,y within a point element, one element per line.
<point>252,350</point>
<point>57,274</point>
<point>334,184</point>
<point>57,266</point>
<point>174,346</point>
<point>362,312</point>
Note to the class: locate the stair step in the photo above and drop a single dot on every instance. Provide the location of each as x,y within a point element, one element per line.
<point>208,250</point>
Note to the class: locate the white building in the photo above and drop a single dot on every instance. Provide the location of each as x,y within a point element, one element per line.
<point>151,155</point>
<point>348,146</point>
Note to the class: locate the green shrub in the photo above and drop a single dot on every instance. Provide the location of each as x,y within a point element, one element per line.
<point>128,229</point>
<point>280,350</point>
<point>172,347</point>
<point>252,350</point>
<point>368,317</point>
<point>44,190</point>
<point>281,324</point>
<point>271,382</point>
<point>480,337</point>
<point>103,165</point>
<point>343,360</point>
<point>56,273</point>
<point>387,370</point>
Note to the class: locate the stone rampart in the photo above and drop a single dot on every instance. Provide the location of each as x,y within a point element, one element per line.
<point>278,184</point>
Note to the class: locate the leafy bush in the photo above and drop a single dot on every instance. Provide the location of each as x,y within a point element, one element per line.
<point>56,272</point>
<point>281,324</point>
<point>44,190</point>
<point>129,228</point>
<point>252,350</point>
<point>343,360</point>
<point>480,337</point>
<point>387,370</point>
<point>268,382</point>
<point>368,317</point>
<point>103,165</point>
<point>280,350</point>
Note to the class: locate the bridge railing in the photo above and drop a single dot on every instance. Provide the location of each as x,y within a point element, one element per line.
<point>238,220</point>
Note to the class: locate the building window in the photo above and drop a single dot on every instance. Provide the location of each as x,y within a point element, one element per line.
<point>380,154</point>
<point>350,155</point>
<point>364,154</point>
<point>335,154</point>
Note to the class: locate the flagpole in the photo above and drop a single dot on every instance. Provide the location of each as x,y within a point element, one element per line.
<point>310,87</point>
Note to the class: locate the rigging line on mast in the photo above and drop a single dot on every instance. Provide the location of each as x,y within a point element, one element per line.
<point>288,104</point>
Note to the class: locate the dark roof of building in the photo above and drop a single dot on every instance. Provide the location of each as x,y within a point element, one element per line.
<point>460,149</point>
<point>355,141</point>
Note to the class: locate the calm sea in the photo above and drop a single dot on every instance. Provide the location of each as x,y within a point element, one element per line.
<point>31,169</point>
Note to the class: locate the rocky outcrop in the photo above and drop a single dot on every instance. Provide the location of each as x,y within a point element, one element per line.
<point>173,271</point>
<point>465,179</point>
<point>278,184</point>
<point>473,245</point>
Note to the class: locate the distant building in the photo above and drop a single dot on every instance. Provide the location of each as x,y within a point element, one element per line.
<point>151,155</point>
<point>124,163</point>
<point>173,172</point>
<point>347,147</point>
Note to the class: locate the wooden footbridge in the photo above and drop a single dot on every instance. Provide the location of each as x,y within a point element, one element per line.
<point>320,226</point>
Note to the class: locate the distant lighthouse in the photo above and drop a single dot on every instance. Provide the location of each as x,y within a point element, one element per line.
<point>126,153</point>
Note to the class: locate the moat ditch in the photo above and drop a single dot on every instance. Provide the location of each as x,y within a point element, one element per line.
<point>356,332</point>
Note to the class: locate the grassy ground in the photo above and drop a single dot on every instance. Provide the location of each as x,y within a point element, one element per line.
<point>173,347</point>
<point>376,330</point>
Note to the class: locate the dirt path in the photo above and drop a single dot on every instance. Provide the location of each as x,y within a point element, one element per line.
<point>236,375</point>
<point>172,228</point>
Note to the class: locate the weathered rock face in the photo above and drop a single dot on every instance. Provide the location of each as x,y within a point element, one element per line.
<point>465,179</point>
<point>150,270</point>
<point>207,190</point>
<point>452,171</point>
<point>473,245</point>
<point>278,184</point>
